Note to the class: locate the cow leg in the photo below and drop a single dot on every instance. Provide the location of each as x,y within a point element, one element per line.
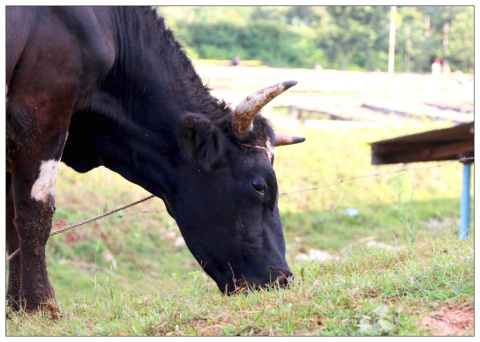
<point>34,208</point>
<point>14,265</point>
<point>34,199</point>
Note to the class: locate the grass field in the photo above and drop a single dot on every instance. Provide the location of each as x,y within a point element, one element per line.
<point>395,268</point>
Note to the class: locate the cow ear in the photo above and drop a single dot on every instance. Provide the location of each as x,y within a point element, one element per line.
<point>199,138</point>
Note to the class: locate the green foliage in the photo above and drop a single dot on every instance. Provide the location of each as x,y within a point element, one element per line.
<point>380,321</point>
<point>213,41</point>
<point>336,37</point>
<point>223,40</point>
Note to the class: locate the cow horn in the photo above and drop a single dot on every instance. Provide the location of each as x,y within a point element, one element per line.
<point>242,121</point>
<point>284,139</point>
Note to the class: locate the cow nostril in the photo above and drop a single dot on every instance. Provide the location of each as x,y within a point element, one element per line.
<point>285,279</point>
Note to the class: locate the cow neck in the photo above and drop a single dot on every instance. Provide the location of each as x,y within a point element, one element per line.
<point>160,85</point>
<point>155,69</point>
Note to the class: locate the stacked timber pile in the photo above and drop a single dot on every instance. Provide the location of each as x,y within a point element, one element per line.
<point>418,110</point>
<point>346,95</point>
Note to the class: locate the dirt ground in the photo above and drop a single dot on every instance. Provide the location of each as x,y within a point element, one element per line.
<point>450,321</point>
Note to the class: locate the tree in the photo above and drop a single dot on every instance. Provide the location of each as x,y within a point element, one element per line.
<point>338,37</point>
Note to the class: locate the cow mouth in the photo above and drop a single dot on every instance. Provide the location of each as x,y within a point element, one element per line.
<point>283,281</point>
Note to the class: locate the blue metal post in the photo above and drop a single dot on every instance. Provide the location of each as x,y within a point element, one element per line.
<point>465,203</point>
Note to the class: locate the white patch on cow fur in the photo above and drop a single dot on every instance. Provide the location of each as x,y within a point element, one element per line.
<point>271,150</point>
<point>44,186</point>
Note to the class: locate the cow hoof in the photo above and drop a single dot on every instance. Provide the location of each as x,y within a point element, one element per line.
<point>52,309</point>
<point>48,307</point>
<point>13,303</point>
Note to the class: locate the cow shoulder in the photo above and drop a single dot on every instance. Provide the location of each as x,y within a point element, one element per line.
<point>93,30</point>
<point>19,22</point>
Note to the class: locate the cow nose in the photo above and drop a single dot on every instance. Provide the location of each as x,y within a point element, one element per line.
<point>284,279</point>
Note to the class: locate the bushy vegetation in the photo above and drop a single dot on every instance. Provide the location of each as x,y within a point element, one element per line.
<point>335,37</point>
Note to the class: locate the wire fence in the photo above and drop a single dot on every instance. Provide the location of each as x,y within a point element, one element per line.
<point>462,160</point>
<point>108,214</point>
<point>377,174</point>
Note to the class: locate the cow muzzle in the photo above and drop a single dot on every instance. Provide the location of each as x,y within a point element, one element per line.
<point>279,279</point>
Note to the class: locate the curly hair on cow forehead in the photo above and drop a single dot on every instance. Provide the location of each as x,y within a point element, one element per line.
<point>212,141</point>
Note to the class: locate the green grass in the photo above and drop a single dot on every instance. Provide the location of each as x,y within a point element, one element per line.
<point>368,292</point>
<point>132,275</point>
<point>391,206</point>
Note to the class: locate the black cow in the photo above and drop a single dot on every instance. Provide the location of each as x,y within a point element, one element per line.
<point>112,87</point>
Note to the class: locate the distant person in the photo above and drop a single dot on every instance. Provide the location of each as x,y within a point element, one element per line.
<point>460,77</point>
<point>445,68</point>
<point>236,60</point>
<point>436,67</point>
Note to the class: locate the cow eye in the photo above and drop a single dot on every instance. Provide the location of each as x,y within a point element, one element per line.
<point>259,185</point>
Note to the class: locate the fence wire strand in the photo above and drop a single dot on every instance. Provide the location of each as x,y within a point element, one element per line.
<point>81,223</point>
<point>379,174</point>
<point>75,225</point>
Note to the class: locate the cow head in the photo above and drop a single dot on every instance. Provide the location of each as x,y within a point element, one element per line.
<point>226,199</point>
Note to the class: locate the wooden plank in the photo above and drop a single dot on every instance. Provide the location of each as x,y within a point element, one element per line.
<point>463,108</point>
<point>416,111</point>
<point>456,133</point>
<point>419,153</point>
<point>310,110</point>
